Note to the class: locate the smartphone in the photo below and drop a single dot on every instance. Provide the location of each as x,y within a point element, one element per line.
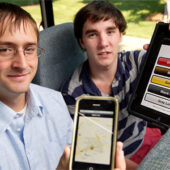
<point>95,133</point>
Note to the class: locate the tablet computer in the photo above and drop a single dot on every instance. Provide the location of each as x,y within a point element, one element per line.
<point>151,97</point>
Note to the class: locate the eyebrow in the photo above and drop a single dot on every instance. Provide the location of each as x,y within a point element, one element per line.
<point>13,44</point>
<point>90,31</point>
<point>112,28</point>
<point>94,30</point>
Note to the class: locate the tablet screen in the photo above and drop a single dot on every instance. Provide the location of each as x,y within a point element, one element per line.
<point>151,97</point>
<point>157,93</point>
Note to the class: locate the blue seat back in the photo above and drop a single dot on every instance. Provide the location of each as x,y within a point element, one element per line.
<point>62,55</point>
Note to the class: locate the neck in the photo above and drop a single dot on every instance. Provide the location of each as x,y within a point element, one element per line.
<point>16,103</point>
<point>103,77</point>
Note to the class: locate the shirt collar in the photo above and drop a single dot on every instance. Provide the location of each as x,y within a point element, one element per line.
<point>120,69</point>
<point>34,108</point>
<point>34,105</point>
<point>87,83</point>
<point>6,116</point>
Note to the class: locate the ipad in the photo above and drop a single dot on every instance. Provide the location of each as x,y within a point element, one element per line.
<point>151,97</point>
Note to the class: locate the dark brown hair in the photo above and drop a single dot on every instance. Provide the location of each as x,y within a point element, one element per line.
<point>96,11</point>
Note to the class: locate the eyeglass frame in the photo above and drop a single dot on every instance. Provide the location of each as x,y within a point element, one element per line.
<point>39,50</point>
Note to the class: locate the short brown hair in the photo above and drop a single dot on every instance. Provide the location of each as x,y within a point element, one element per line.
<point>96,11</point>
<point>13,16</point>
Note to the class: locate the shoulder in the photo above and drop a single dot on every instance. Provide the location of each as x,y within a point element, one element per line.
<point>74,81</point>
<point>47,97</point>
<point>131,54</point>
<point>43,91</point>
<point>51,100</point>
<point>132,58</point>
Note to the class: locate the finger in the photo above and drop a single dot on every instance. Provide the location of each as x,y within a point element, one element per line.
<point>67,154</point>
<point>64,161</point>
<point>66,157</point>
<point>120,159</point>
<point>145,46</point>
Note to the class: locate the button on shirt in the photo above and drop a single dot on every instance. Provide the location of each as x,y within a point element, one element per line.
<point>37,141</point>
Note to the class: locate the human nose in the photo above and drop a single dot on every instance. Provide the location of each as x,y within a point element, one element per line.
<point>19,60</point>
<point>103,41</point>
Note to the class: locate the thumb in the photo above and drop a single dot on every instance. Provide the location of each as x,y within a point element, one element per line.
<point>120,159</point>
<point>64,161</point>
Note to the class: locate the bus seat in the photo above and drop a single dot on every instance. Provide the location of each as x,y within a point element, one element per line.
<point>61,56</point>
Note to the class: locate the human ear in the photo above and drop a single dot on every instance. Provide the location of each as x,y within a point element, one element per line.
<point>121,37</point>
<point>81,44</point>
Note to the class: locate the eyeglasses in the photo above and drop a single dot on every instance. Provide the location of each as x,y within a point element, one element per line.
<point>29,52</point>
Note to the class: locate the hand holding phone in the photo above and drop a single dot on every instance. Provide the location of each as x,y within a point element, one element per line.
<point>120,158</point>
<point>95,133</point>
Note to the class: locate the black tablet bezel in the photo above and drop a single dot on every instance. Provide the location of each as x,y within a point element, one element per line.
<point>161,35</point>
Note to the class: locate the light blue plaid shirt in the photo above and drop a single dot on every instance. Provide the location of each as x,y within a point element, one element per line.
<point>37,142</point>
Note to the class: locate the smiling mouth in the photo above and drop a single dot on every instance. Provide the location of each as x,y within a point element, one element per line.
<point>104,54</point>
<point>18,75</point>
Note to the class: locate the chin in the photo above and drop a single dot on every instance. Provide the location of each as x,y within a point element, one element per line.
<point>20,90</point>
<point>105,64</point>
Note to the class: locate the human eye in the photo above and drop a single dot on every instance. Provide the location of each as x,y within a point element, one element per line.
<point>110,32</point>
<point>5,51</point>
<point>92,35</point>
<point>30,50</point>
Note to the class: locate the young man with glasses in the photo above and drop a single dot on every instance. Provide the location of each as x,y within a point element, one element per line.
<point>35,126</point>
